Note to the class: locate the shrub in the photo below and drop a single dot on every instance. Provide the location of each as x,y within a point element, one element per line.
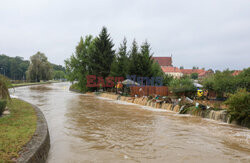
<point>75,87</point>
<point>3,104</point>
<point>4,85</point>
<point>239,107</point>
<point>224,83</point>
<point>194,75</point>
<point>183,86</point>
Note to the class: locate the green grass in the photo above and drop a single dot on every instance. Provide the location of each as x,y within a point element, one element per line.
<point>16,129</point>
<point>26,84</point>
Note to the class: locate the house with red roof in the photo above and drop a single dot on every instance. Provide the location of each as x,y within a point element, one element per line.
<point>172,71</point>
<point>191,71</point>
<point>201,73</point>
<point>167,67</point>
<point>236,72</point>
<point>164,61</point>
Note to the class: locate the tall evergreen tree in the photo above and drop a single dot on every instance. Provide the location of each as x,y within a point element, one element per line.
<point>134,60</point>
<point>119,66</point>
<point>101,55</point>
<point>146,60</point>
<point>141,63</point>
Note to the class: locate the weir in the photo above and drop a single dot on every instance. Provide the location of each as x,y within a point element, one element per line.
<point>220,115</point>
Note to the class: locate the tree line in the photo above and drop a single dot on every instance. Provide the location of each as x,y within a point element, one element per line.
<point>224,83</point>
<point>13,67</point>
<point>38,68</point>
<point>97,56</point>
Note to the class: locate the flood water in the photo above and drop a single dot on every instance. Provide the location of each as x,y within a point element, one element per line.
<point>84,128</point>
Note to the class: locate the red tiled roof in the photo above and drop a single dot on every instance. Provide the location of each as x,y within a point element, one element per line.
<point>164,61</point>
<point>190,71</point>
<point>203,74</point>
<point>170,69</point>
<point>236,72</point>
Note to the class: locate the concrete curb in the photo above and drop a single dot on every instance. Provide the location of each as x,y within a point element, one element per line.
<point>36,150</point>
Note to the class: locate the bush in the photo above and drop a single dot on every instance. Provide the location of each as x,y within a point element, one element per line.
<point>239,107</point>
<point>194,75</point>
<point>3,104</point>
<point>75,87</point>
<point>4,85</point>
<point>183,86</point>
<point>224,83</point>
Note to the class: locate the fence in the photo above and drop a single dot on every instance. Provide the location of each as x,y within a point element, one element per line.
<point>149,90</point>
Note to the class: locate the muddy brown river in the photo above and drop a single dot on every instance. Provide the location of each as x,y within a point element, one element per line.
<point>85,128</point>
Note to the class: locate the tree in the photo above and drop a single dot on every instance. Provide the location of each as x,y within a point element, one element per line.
<point>13,67</point>
<point>120,63</point>
<point>58,67</point>
<point>146,62</point>
<point>194,75</point>
<point>181,67</point>
<point>77,67</point>
<point>183,86</point>
<point>223,83</point>
<point>134,60</point>
<point>58,75</point>
<point>40,68</point>
<point>141,63</point>
<point>239,107</point>
<point>101,54</point>
<point>243,79</point>
<point>211,70</point>
<point>156,70</point>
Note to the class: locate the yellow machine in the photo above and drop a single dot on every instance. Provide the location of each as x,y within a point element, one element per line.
<point>200,93</point>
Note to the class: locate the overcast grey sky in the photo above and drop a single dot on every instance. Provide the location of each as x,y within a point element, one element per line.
<point>211,34</point>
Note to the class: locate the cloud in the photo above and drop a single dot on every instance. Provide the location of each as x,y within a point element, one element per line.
<point>211,34</point>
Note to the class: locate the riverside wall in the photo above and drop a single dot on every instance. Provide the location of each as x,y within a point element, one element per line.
<point>36,150</point>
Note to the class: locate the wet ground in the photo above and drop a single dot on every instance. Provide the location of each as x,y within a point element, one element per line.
<point>84,128</point>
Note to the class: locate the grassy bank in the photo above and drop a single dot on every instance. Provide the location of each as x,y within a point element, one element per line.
<point>35,83</point>
<point>16,129</point>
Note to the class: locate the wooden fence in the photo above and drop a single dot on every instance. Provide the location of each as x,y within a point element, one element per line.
<point>149,91</point>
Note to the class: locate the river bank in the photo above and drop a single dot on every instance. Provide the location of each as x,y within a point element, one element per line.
<point>16,129</point>
<point>30,84</point>
<point>23,133</point>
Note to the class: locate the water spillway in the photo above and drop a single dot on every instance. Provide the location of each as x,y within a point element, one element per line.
<point>87,128</point>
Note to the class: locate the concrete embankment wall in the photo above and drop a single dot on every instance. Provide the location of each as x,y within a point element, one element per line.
<point>210,114</point>
<point>36,150</point>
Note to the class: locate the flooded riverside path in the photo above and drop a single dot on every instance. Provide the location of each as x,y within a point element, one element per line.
<point>85,128</point>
